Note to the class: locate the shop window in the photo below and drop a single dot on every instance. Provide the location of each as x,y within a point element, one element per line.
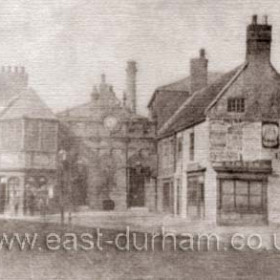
<point>13,189</point>
<point>242,196</point>
<point>236,105</point>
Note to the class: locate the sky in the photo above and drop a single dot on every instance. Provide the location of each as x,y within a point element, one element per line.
<point>66,45</point>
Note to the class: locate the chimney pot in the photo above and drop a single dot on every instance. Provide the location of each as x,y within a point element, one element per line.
<point>198,72</point>
<point>202,53</point>
<point>259,38</point>
<point>255,19</point>
<point>265,21</point>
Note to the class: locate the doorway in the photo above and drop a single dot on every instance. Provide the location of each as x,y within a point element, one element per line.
<point>195,197</point>
<point>167,201</point>
<point>136,197</point>
<point>3,191</point>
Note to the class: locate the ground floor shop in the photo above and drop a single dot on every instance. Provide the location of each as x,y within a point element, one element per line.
<point>227,193</point>
<point>27,192</point>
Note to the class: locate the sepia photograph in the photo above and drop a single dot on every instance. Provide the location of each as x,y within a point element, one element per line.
<point>139,139</point>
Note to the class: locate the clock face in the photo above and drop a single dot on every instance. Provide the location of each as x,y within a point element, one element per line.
<point>111,123</point>
<point>270,135</point>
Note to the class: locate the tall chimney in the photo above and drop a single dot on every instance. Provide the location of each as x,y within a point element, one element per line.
<point>198,72</point>
<point>131,71</point>
<point>258,40</point>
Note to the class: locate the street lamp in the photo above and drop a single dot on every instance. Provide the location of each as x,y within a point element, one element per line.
<point>63,179</point>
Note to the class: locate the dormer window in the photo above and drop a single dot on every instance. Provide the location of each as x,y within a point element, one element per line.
<point>236,105</point>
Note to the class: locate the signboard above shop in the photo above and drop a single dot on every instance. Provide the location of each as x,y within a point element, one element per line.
<point>270,135</point>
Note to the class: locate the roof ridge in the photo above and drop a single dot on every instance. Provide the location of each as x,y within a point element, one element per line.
<point>224,89</point>
<point>9,104</point>
<point>186,103</point>
<point>74,107</point>
<point>41,100</point>
<point>23,104</point>
<point>178,111</point>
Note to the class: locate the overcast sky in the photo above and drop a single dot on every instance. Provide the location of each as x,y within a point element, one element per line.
<point>67,44</point>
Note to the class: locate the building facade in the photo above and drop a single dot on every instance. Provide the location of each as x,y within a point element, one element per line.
<point>28,147</point>
<point>115,148</point>
<point>219,151</point>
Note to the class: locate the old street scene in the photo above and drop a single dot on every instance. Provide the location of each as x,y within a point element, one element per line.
<point>174,138</point>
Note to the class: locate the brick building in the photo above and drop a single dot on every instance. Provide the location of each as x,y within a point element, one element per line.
<point>28,146</point>
<point>113,147</point>
<point>218,149</point>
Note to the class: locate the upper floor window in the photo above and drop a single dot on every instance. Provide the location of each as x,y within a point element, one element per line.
<point>236,105</point>
<point>192,146</point>
<point>179,148</point>
<point>40,135</point>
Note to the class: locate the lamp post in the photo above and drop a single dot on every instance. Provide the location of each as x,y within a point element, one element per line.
<point>63,166</point>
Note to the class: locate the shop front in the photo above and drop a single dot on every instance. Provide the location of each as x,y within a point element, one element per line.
<point>26,193</point>
<point>242,193</point>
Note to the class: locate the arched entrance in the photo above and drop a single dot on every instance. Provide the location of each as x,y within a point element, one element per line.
<point>138,174</point>
<point>136,195</point>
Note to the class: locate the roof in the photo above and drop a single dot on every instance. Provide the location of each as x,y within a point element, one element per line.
<point>192,110</point>
<point>182,85</point>
<point>27,104</point>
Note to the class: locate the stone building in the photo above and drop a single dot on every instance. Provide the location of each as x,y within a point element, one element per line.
<point>113,147</point>
<point>28,146</point>
<point>219,150</point>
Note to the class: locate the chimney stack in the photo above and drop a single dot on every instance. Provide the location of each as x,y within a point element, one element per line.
<point>131,71</point>
<point>198,72</point>
<point>258,40</point>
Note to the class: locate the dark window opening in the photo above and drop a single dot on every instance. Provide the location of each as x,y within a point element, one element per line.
<point>236,105</point>
<point>192,146</point>
<point>242,196</point>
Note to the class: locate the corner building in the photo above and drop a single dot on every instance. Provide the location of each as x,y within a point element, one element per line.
<point>219,151</point>
<point>28,146</point>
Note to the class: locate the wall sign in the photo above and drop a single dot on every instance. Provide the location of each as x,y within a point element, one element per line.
<point>270,135</point>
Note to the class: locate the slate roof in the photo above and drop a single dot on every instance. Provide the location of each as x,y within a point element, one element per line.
<point>192,110</point>
<point>182,86</point>
<point>27,104</point>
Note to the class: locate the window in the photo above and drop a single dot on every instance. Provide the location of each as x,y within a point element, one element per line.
<point>242,196</point>
<point>236,105</point>
<point>11,135</point>
<point>178,196</point>
<point>179,148</point>
<point>192,146</point>
<point>32,135</point>
<point>49,136</point>
<point>40,135</point>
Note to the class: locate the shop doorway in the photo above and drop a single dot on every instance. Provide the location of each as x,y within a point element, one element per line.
<point>195,197</point>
